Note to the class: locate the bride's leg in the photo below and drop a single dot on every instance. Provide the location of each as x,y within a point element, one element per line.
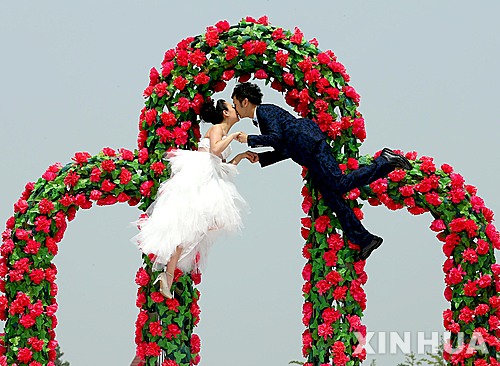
<point>172,265</point>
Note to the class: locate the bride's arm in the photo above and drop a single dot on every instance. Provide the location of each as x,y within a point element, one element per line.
<point>217,144</point>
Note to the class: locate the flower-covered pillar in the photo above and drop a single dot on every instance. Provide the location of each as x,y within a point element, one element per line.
<point>316,85</point>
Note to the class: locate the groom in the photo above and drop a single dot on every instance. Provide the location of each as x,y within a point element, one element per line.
<point>302,140</point>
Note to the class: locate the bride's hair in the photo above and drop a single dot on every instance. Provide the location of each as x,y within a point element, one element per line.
<point>213,113</point>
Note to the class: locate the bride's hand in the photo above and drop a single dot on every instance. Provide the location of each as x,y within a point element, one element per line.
<point>234,135</point>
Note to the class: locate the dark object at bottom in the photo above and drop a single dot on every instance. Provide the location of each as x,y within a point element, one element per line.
<point>396,160</point>
<point>368,249</point>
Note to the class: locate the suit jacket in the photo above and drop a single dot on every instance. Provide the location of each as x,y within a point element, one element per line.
<point>290,137</point>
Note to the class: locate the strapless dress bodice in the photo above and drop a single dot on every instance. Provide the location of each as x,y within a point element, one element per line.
<point>204,145</point>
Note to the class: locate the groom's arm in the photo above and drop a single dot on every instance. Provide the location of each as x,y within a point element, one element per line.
<point>271,137</point>
<point>270,157</point>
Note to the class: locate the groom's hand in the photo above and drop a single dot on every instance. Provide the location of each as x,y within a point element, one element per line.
<point>242,137</point>
<point>252,156</point>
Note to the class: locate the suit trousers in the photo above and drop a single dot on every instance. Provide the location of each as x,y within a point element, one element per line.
<point>332,183</point>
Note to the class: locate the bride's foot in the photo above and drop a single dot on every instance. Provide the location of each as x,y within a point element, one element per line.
<point>164,284</point>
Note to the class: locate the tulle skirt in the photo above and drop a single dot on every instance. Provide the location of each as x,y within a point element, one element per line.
<point>193,207</point>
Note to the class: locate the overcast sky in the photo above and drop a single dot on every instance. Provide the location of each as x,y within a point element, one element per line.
<point>71,79</point>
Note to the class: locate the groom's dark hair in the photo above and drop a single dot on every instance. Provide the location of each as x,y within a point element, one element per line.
<point>248,90</point>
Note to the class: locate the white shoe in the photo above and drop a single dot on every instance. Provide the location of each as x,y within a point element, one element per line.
<point>164,288</point>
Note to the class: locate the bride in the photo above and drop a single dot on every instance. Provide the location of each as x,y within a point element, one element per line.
<point>198,201</point>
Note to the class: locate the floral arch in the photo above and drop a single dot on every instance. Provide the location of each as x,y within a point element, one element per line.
<point>316,85</point>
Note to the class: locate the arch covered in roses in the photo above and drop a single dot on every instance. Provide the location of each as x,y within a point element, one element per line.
<point>317,86</point>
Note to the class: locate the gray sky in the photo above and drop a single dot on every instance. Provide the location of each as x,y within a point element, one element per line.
<point>71,79</point>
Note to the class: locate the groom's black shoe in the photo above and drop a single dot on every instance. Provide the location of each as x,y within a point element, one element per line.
<point>365,251</point>
<point>396,160</point>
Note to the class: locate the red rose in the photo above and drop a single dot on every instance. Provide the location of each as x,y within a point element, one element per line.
<point>21,206</point>
<point>143,155</point>
<point>198,57</point>
<point>108,165</point>
<point>201,79</point>
<point>261,74</point>
<point>438,225</point>
<point>24,355</point>
<point>27,321</point>
<point>36,344</point>
<point>142,278</point>
<point>145,188</point>
<point>153,76</point>
<point>141,299</point>
<point>354,194</point>
<point>470,255</point>
<point>212,36</point>
<point>81,157</point>
<point>466,315</point>
<point>181,136</point>
<point>125,176</point>
<point>334,277</point>
<point>126,154</point>
<point>150,116</point>
<point>433,199</point>
<point>168,118</point>
<point>488,214</point>
<point>282,58</point>
<point>351,93</point>
<point>494,301</point>
<point>227,75</point>
<point>448,293</point>
<point>448,169</point>
<point>339,293</point>
<point>330,257</point>
<point>306,251</point>
<point>323,286</point>
<point>312,76</point>
<point>288,79</point>
<point>182,57</point>
<point>158,167</point>
<point>106,201</point>
<point>322,223</point>
<point>148,91</point>
<point>481,309</point>
<point>42,223</point>
<point>180,83</point>
<point>358,128</point>
<point>155,328</point>
<point>169,55</point>
<point>297,36</point>
<point>107,185</point>
<point>219,86</point>
<point>71,179</point>
<point>95,194</point>
<point>32,247</point>
<point>325,331</point>
<point>172,331</point>
<point>161,89</point>
<point>483,247</point>
<point>484,281</point>
<point>456,195</point>
<point>278,34</point>
<point>222,26</point>
<point>231,52</point>
<point>454,277</point>
<point>167,68</point>
<point>195,343</point>
<point>397,175</point>
<point>182,104</point>
<point>306,272</point>
<point>470,288</point>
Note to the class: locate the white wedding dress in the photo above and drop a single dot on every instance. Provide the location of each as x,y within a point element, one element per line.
<point>195,205</point>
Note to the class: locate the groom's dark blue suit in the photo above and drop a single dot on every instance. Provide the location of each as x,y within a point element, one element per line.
<point>302,140</point>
